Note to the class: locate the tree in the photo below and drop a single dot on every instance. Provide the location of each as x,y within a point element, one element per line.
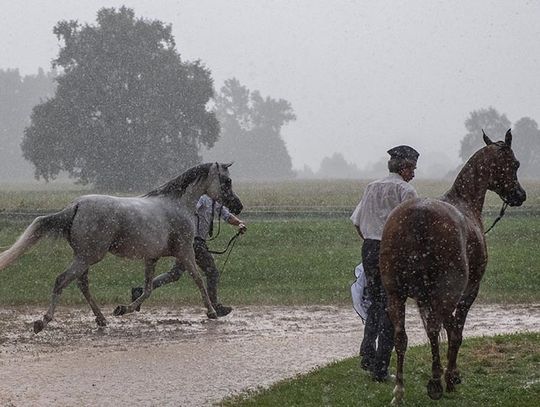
<point>526,146</point>
<point>128,113</point>
<point>494,124</point>
<point>337,167</point>
<point>17,97</point>
<point>251,133</point>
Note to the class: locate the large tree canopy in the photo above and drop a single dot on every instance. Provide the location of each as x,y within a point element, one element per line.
<point>494,124</point>
<point>128,112</point>
<point>251,133</point>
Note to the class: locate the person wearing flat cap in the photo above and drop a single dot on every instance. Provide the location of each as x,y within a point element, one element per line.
<point>379,199</point>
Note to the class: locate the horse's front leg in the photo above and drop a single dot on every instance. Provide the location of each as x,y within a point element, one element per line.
<point>84,286</point>
<point>191,267</point>
<point>149,269</point>
<point>75,270</point>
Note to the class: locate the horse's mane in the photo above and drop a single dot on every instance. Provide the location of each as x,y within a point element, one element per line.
<point>178,185</point>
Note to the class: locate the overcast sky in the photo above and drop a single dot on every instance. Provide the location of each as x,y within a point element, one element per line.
<point>362,76</point>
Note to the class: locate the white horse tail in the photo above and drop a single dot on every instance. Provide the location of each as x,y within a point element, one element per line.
<point>58,223</point>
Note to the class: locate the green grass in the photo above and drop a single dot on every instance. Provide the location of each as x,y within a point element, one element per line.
<point>496,371</point>
<point>302,261</point>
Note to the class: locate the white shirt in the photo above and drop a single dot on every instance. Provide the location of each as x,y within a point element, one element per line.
<point>380,198</point>
<point>204,216</point>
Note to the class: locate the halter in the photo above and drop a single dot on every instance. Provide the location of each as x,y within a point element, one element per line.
<point>501,214</point>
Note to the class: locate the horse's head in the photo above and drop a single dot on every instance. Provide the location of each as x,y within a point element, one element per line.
<point>503,166</point>
<point>220,188</point>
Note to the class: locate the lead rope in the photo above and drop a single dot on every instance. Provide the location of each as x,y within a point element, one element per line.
<point>501,214</point>
<point>231,244</point>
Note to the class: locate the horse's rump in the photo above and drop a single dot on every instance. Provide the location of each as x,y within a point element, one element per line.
<point>422,249</point>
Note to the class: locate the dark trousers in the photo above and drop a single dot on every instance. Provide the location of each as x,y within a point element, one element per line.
<point>206,263</point>
<point>378,342</point>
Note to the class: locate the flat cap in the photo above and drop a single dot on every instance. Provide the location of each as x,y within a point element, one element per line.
<point>404,152</point>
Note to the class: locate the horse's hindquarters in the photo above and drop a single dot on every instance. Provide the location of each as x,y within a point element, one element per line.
<point>423,252</point>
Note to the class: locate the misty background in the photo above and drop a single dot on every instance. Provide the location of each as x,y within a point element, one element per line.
<point>318,89</point>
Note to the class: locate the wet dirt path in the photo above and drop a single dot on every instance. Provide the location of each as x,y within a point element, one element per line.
<point>176,357</point>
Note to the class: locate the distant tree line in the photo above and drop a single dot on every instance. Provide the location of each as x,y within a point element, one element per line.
<point>526,138</point>
<point>526,146</point>
<point>336,167</point>
<point>18,95</point>
<point>128,113</point>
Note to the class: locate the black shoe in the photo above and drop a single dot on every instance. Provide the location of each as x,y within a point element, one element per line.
<point>365,364</point>
<point>222,310</point>
<point>383,378</point>
<point>136,292</point>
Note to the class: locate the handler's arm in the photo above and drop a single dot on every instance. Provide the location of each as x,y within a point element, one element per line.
<point>233,220</point>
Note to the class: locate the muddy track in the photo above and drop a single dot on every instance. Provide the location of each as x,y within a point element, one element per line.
<point>176,357</point>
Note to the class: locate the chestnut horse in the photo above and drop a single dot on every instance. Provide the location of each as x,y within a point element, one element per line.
<point>434,250</point>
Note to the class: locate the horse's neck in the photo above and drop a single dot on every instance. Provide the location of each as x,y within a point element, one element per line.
<point>469,189</point>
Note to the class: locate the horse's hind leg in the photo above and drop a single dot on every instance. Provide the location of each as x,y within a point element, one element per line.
<point>82,282</point>
<point>75,270</point>
<point>455,338</point>
<point>396,313</point>
<point>432,325</point>
<point>149,269</point>
<point>451,375</point>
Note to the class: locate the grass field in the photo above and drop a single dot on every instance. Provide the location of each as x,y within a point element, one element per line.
<point>295,261</point>
<point>304,260</point>
<point>496,371</point>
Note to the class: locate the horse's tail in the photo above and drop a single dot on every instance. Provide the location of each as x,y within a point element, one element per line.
<point>56,224</point>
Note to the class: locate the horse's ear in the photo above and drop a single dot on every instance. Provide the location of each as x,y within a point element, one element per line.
<point>227,165</point>
<point>508,138</point>
<point>487,140</point>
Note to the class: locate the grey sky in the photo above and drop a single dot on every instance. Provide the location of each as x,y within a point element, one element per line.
<point>362,76</point>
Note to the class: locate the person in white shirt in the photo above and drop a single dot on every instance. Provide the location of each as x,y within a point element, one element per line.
<point>379,199</point>
<point>205,211</point>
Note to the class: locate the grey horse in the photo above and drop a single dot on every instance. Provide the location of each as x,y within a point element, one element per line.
<point>157,224</point>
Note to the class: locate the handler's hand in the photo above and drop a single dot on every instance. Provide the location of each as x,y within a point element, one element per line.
<point>242,228</point>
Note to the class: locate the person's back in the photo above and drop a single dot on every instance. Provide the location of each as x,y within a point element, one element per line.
<point>380,198</point>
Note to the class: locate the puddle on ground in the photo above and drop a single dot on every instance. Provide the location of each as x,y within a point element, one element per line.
<point>163,356</point>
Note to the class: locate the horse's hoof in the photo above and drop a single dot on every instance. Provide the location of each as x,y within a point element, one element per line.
<point>452,380</point>
<point>398,393</point>
<point>435,389</point>
<point>120,310</point>
<point>212,315</point>
<point>101,321</point>
<point>38,326</point>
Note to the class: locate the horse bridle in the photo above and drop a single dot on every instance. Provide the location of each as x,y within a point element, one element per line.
<point>501,214</point>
